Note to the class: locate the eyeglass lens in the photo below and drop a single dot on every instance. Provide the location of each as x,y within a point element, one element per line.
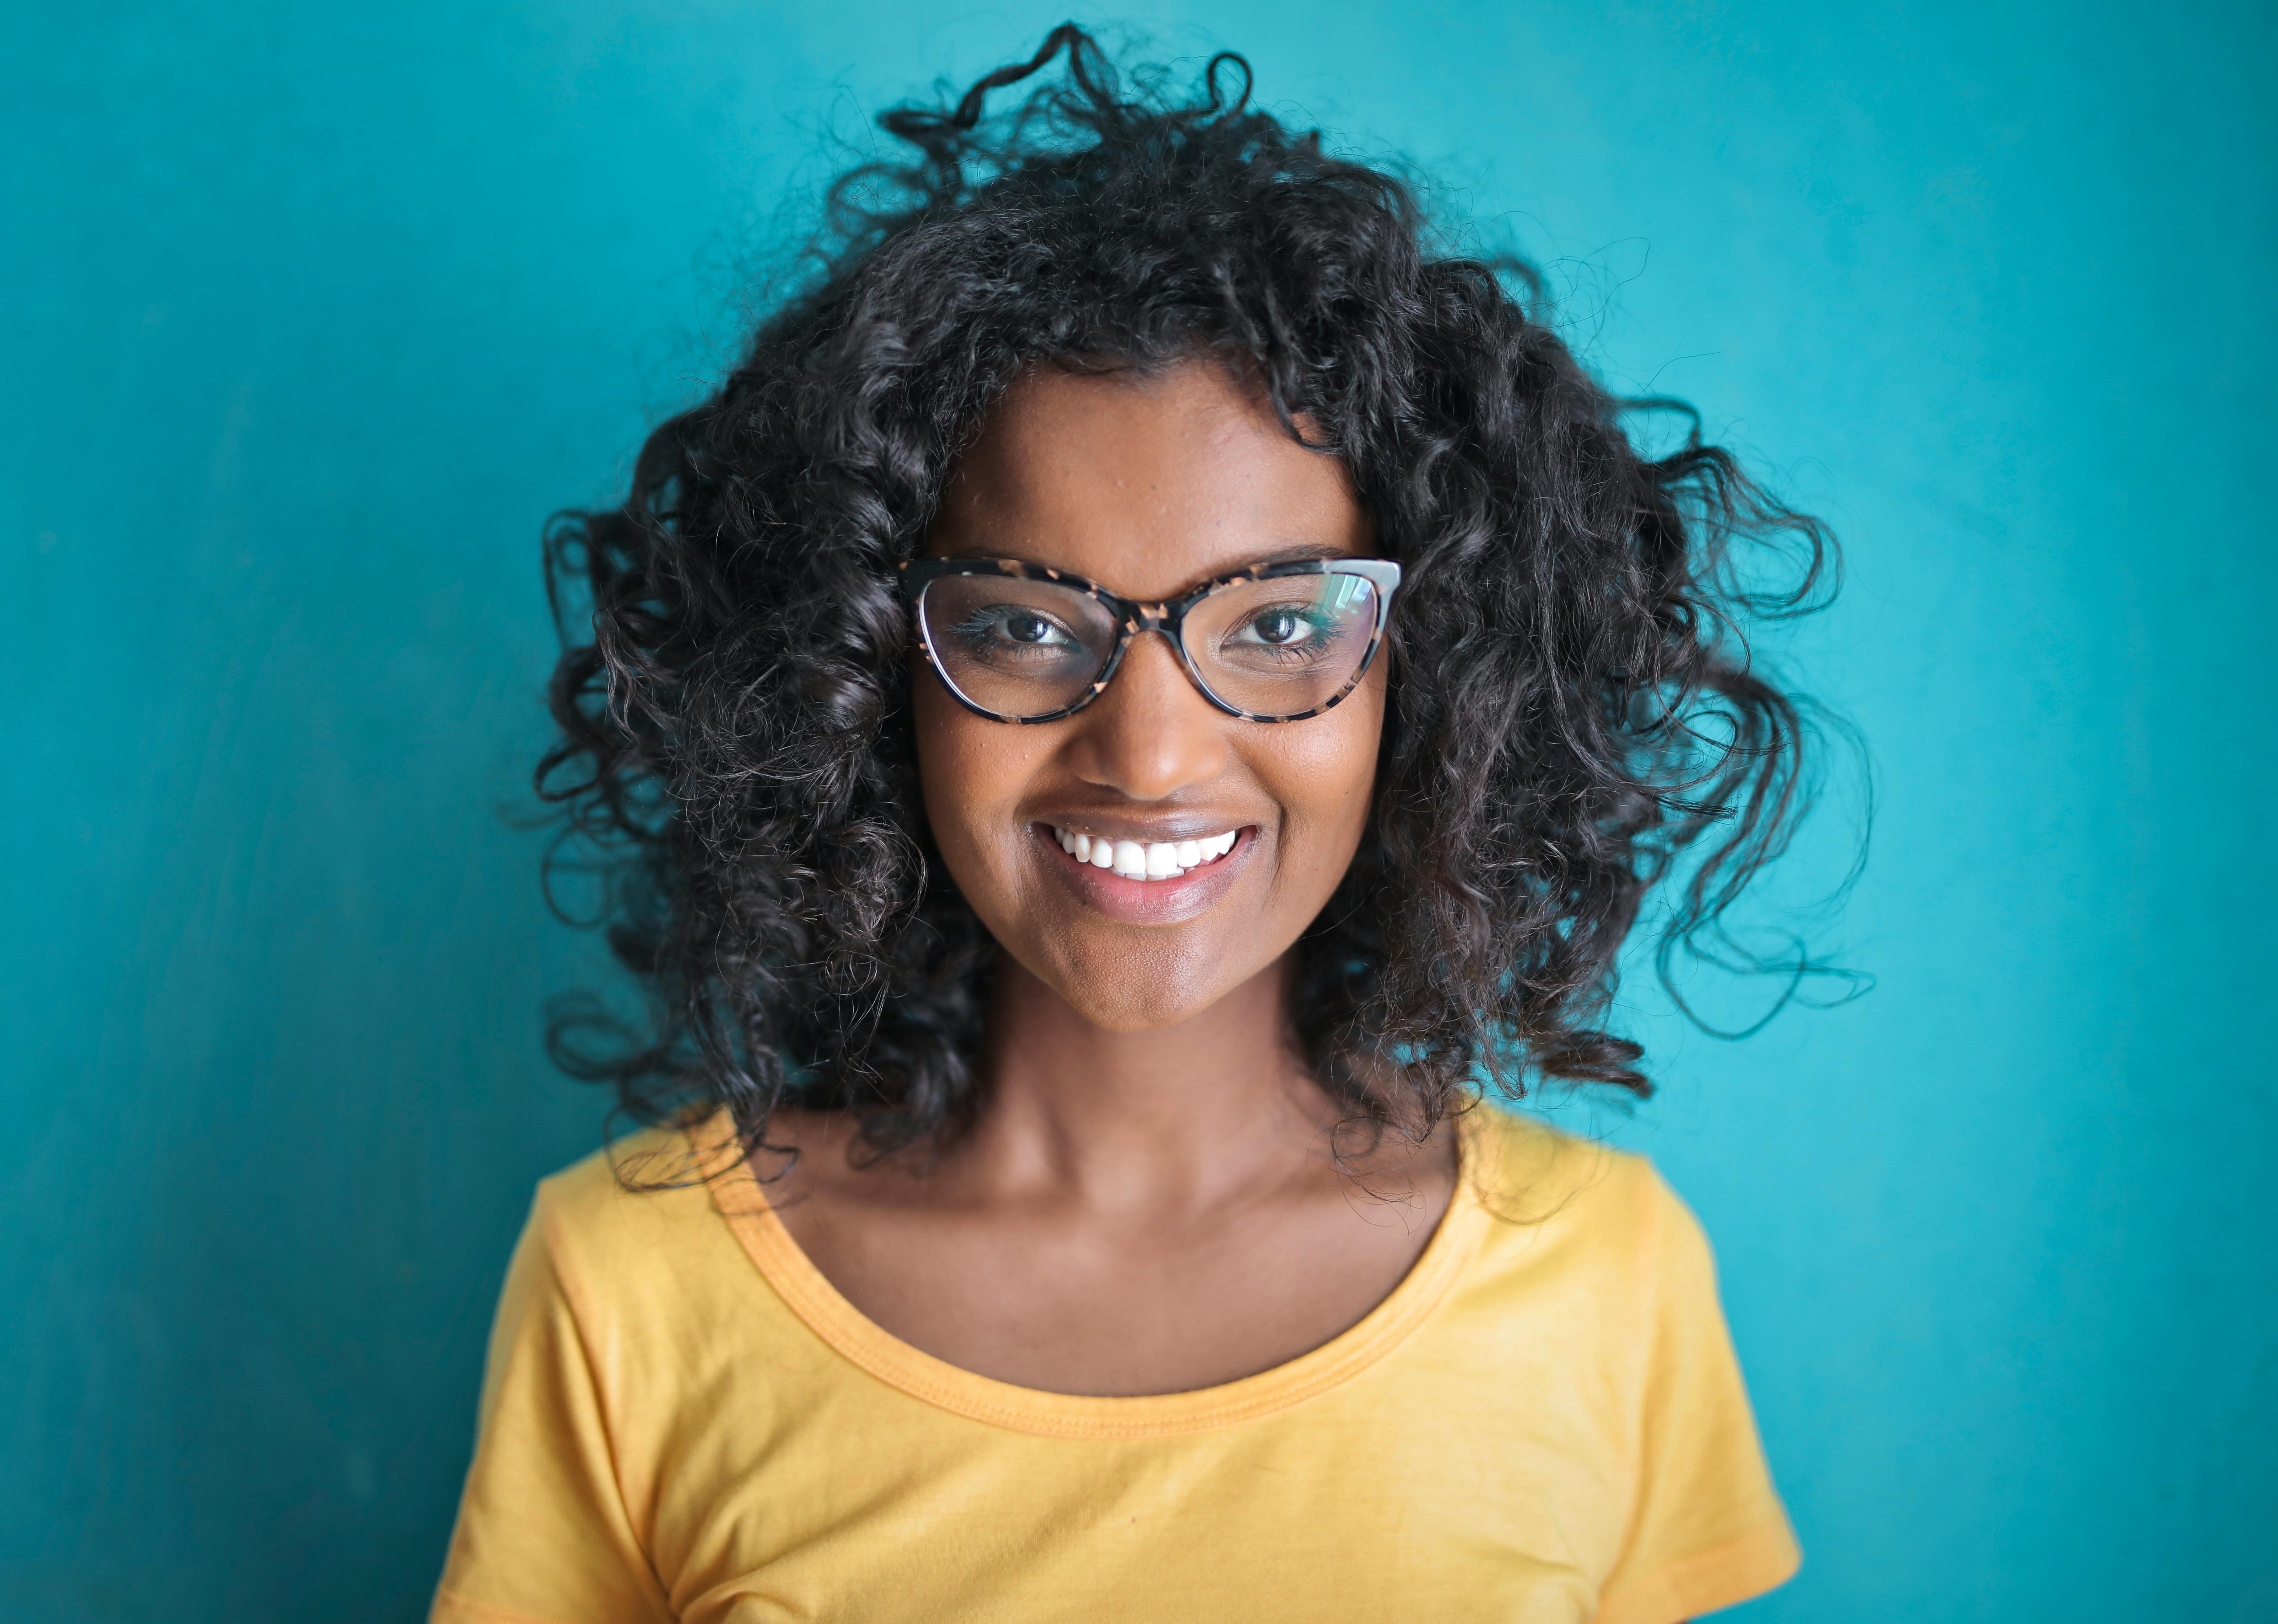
<point>1277,647</point>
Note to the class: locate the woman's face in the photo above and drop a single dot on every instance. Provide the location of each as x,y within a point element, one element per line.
<point>1149,485</point>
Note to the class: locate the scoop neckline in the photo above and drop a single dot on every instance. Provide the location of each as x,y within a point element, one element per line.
<point>742,1203</point>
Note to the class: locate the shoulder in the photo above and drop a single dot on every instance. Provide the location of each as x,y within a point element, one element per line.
<point>1578,1206</point>
<point>1528,1170</point>
<point>644,1207</point>
<point>643,1168</point>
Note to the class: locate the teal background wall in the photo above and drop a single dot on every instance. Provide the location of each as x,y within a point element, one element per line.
<point>308,315</point>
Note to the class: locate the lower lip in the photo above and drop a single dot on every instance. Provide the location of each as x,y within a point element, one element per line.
<point>1146,902</point>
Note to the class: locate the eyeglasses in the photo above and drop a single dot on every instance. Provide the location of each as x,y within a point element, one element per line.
<point>1023,643</point>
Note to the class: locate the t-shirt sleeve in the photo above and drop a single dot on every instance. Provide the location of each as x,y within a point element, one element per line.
<point>543,1536</point>
<point>1706,1530</point>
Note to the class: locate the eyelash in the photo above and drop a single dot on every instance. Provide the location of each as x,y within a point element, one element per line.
<point>981,623</point>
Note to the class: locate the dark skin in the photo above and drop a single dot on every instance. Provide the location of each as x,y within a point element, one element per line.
<point>1148,1202</point>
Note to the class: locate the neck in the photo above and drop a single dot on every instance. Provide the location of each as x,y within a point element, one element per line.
<point>1181,1115</point>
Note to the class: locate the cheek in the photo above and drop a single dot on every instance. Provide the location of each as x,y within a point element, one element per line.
<point>971,771</point>
<point>1325,771</point>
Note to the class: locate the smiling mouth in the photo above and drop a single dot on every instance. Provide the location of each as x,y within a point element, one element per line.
<point>1151,860</point>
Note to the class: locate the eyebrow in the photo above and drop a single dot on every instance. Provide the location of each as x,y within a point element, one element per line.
<point>1297,553</point>
<point>1300,553</point>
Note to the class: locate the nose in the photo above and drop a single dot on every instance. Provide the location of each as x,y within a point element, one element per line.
<point>1151,734</point>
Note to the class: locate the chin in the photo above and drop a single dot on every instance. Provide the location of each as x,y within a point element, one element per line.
<point>1139,1018</point>
<point>1138,992</point>
<point>1149,1012</point>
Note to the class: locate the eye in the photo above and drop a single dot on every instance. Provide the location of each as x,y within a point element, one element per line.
<point>1285,638</point>
<point>1014,630</point>
<point>1279,627</point>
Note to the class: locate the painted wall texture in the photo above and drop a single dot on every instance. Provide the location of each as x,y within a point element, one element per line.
<point>309,314</point>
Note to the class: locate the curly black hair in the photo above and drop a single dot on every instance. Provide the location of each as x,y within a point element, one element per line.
<point>1571,707</point>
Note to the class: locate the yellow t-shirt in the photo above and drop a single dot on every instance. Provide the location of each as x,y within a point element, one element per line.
<point>1543,1424</point>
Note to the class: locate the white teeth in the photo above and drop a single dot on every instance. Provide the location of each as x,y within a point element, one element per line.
<point>1157,860</point>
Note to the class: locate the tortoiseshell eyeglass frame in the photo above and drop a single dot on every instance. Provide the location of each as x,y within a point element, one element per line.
<point>1133,618</point>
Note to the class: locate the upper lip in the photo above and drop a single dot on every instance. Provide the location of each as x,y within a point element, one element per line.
<point>1168,831</point>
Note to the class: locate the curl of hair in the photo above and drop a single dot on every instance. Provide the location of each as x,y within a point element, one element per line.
<point>1572,708</point>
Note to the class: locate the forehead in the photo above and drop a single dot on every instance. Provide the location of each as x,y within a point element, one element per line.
<point>1145,482</point>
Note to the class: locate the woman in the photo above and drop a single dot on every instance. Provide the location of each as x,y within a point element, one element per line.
<point>1145,700</point>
